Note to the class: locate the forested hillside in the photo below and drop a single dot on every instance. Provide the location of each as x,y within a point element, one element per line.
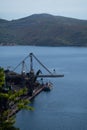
<point>44,30</point>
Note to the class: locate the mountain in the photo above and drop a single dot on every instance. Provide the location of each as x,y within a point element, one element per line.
<point>44,30</point>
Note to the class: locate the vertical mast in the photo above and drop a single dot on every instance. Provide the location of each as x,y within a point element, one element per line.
<point>31,62</point>
<point>23,67</point>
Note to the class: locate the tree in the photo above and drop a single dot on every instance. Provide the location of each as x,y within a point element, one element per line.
<point>10,100</point>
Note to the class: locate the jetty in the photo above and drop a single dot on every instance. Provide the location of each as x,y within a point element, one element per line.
<point>29,79</point>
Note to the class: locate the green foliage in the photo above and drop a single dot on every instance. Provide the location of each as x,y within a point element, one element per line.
<point>2,77</point>
<point>6,100</point>
<point>23,105</point>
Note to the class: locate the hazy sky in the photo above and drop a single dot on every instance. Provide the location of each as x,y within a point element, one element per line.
<point>14,9</point>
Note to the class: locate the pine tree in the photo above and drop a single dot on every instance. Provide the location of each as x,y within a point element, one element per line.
<point>10,100</point>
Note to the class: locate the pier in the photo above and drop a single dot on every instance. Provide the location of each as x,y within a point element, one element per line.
<point>51,76</point>
<point>29,80</point>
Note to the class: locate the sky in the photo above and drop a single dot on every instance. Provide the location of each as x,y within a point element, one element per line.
<point>15,9</point>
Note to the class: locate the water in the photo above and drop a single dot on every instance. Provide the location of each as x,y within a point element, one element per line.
<point>65,107</point>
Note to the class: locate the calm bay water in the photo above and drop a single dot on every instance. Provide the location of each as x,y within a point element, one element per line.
<point>65,107</point>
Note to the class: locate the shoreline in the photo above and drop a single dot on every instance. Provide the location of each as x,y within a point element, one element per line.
<point>15,108</point>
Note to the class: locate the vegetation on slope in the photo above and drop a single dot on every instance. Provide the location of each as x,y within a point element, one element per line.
<point>44,30</point>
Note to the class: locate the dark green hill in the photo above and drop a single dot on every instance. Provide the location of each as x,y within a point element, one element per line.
<point>44,30</point>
